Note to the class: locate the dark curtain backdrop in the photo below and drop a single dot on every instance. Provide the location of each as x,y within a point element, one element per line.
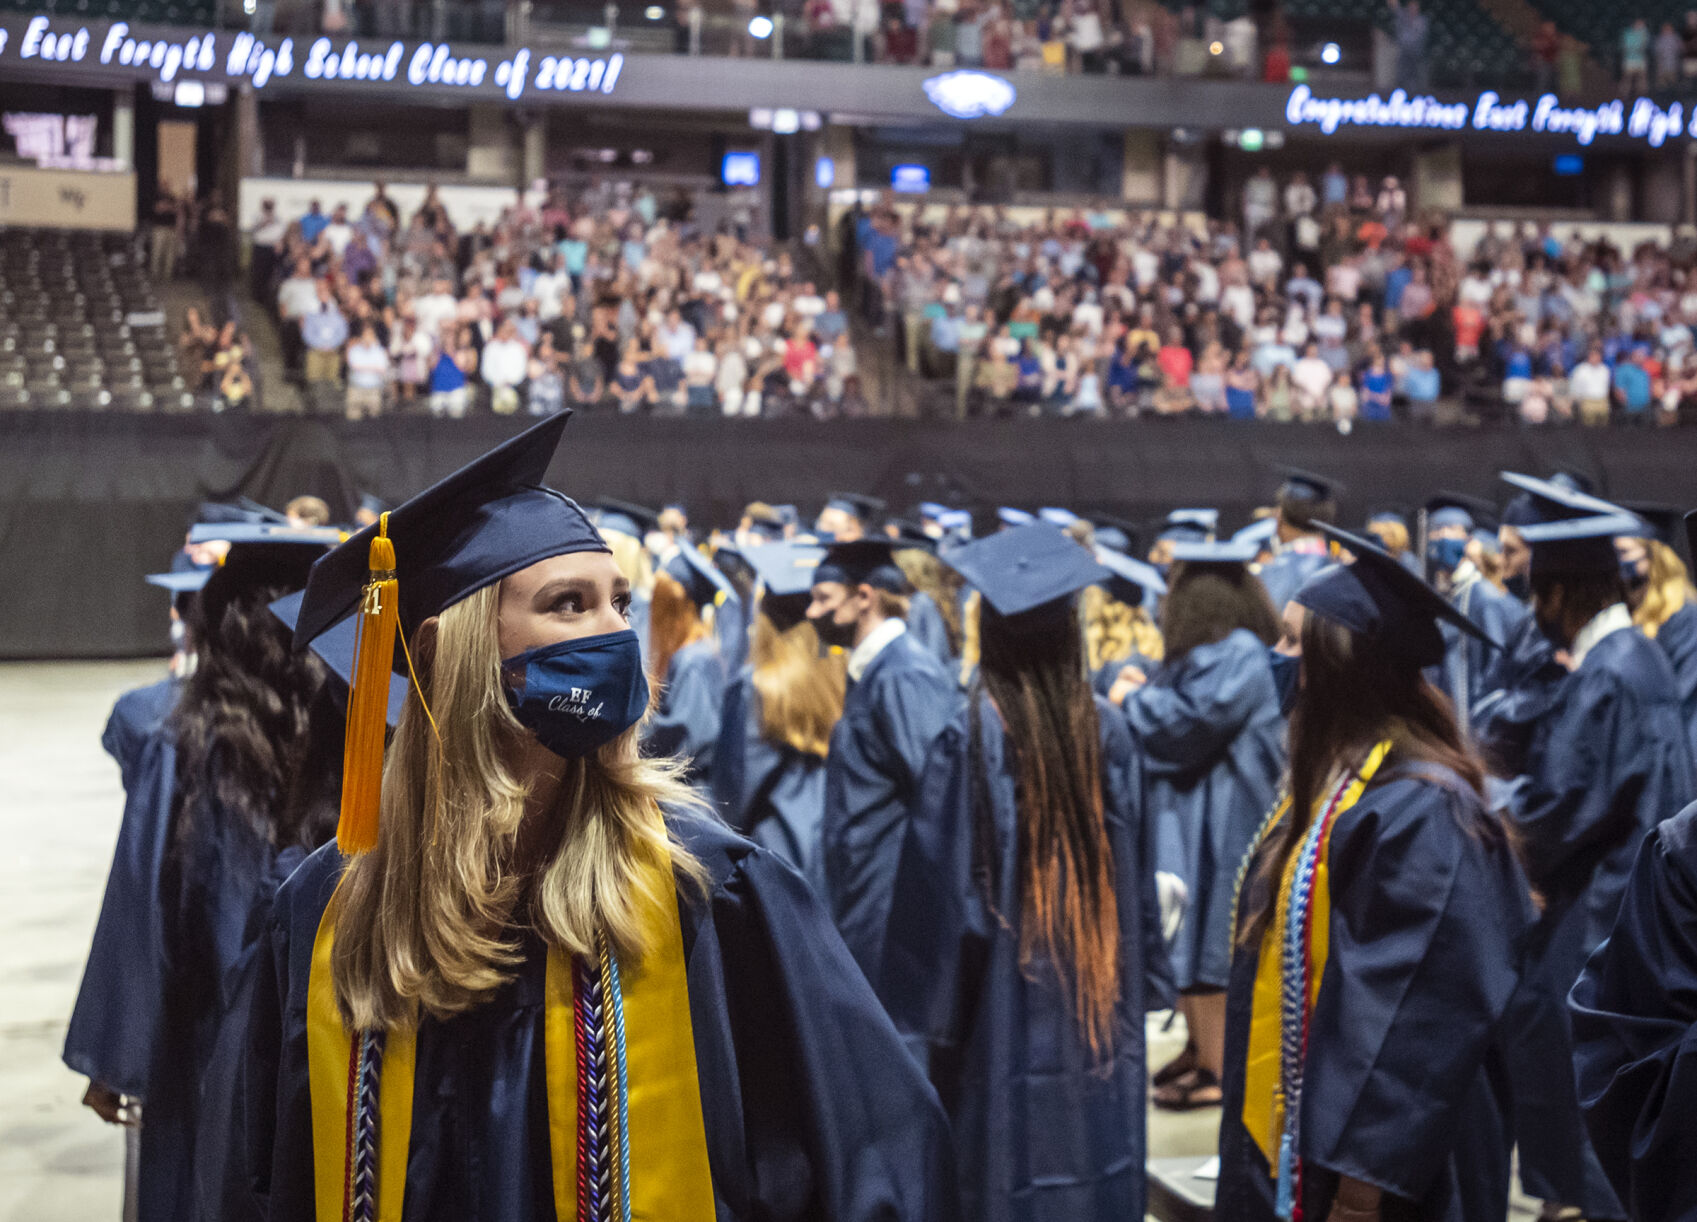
<point>91,503</point>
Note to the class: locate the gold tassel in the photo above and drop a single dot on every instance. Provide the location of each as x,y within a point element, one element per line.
<point>368,700</point>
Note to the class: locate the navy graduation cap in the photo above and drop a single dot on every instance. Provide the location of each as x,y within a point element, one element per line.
<point>1021,570</point>
<point>785,569</point>
<point>262,513</point>
<point>1259,533</point>
<point>262,557</point>
<point>337,649</point>
<point>263,532</point>
<point>180,581</point>
<point>1548,500</point>
<point>1658,522</point>
<point>1458,509</point>
<point>636,521</point>
<point>1381,600</point>
<point>1570,547</point>
<point>910,536</point>
<point>864,509</point>
<point>705,585</point>
<point>1007,515</point>
<point>862,562</point>
<point>491,518</point>
<point>1129,577</point>
<point>1222,551</point>
<point>1054,515</point>
<point>1300,485</point>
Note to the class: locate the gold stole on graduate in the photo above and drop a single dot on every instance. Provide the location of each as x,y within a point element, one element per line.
<point>1269,1024</point>
<point>627,1140</point>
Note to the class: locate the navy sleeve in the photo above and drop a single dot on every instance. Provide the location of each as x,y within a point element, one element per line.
<point>1122,796</point>
<point>1634,1013</point>
<point>911,708</point>
<point>687,722</point>
<point>1427,906</point>
<point>1182,721</point>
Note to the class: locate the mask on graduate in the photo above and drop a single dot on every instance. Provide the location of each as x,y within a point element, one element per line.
<point>1520,585</point>
<point>1445,554</point>
<point>1633,578</point>
<point>1286,670</point>
<point>833,635</point>
<point>578,695</point>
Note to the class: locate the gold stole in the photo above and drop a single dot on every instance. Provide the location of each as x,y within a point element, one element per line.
<point>1263,1094</point>
<point>669,1176</point>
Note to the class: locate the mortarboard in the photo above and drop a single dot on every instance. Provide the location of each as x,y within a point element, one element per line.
<point>628,519</point>
<point>789,515</point>
<point>1209,551</point>
<point>1007,515</point>
<point>862,562</point>
<point>1207,519</point>
<point>1457,509</point>
<point>1386,517</point>
<point>1113,538</point>
<point>910,536</point>
<point>219,511</point>
<point>1260,533</point>
<point>1578,546</point>
<point>262,532</point>
<point>464,533</point>
<point>705,584</point>
<point>955,523</point>
<point>370,502</point>
<point>1054,515</point>
<point>785,569</point>
<point>865,509</point>
<point>1378,598</point>
<point>262,513</point>
<point>1300,485</point>
<point>263,557</point>
<point>337,648</point>
<point>1662,522</point>
<point>1549,501</point>
<point>180,581</point>
<point>1017,571</point>
<point>930,511</point>
<point>1129,578</point>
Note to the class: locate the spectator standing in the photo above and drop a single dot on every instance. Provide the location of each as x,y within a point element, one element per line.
<point>1312,378</point>
<point>1377,388</point>
<point>1632,388</point>
<point>1242,387</point>
<point>545,384</point>
<point>1412,71</point>
<point>1088,40</point>
<point>503,367</point>
<point>411,351</point>
<point>313,223</point>
<point>1546,49</point>
<point>1260,201</point>
<point>1635,57</point>
<point>264,238</point>
<point>368,374</point>
<point>165,236</point>
<point>1334,188</point>
<point>1591,386</point>
<point>324,332</point>
<point>1422,385</point>
<point>1669,51</point>
<point>449,390</point>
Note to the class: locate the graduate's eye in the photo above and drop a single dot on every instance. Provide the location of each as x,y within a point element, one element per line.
<point>621,604</point>
<point>568,604</point>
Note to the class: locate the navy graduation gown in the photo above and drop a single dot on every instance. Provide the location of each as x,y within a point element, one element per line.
<point>137,716</point>
<point>1043,1128</point>
<point>891,716</point>
<point>1403,1078</point>
<point>769,792</point>
<point>1211,741</point>
<point>1466,657</point>
<point>1603,765</point>
<point>1678,638</point>
<point>813,1110</point>
<point>730,629</point>
<point>1634,1012</point>
<point>925,622</point>
<point>686,723</point>
<point>1284,574</point>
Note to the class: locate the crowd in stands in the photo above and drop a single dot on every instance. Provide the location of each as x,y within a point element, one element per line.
<point>1664,60</point>
<point>612,301</point>
<point>1329,301</point>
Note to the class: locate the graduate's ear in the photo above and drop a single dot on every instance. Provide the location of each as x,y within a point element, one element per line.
<point>424,647</point>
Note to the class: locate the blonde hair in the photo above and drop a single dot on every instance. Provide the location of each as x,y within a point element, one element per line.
<point>633,560</point>
<point>801,694</point>
<point>1668,590</point>
<point>673,622</point>
<point>427,919</point>
<point>926,573</point>
<point>1114,631</point>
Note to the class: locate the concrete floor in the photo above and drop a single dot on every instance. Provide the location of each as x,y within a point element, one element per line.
<point>60,803</point>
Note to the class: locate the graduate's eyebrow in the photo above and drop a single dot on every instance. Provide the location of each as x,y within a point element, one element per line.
<point>549,593</point>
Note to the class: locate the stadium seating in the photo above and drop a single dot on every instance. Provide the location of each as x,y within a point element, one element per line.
<point>161,12</point>
<point>80,326</point>
<point>1599,25</point>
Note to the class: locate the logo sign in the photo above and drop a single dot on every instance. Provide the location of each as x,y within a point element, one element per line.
<point>1642,118</point>
<point>970,95</point>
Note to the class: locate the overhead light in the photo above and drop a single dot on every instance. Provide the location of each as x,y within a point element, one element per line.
<point>1331,53</point>
<point>824,173</point>
<point>1216,47</point>
<point>760,26</point>
<point>760,117</point>
<point>190,94</point>
<point>785,121</point>
<point>653,12</point>
<point>1251,139</point>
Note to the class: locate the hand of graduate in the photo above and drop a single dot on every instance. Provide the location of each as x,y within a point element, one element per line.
<point>108,1104</point>
<point>1130,679</point>
<point>1355,1202</point>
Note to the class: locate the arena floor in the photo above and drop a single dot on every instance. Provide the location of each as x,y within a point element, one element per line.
<point>60,803</point>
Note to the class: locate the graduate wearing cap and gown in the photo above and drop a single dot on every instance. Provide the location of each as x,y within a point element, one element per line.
<point>1389,528</point>
<point>1130,585</point>
<point>625,527</point>
<point>769,776</point>
<point>1450,523</point>
<point>915,553</point>
<point>849,516</point>
<point>1305,501</point>
<point>685,662</point>
<point>1664,605</point>
<point>138,714</point>
<point>1601,766</point>
<point>705,1051</point>
<point>212,823</point>
<point>898,701</point>
<point>1634,1015</point>
<point>1376,944</point>
<point>1209,738</point>
<point>1033,1037</point>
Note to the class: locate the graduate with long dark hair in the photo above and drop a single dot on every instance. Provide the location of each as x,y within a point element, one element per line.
<point>233,791</point>
<point>1023,930</point>
<point>1377,935</point>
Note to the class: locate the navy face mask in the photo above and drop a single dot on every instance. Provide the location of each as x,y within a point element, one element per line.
<point>1286,669</point>
<point>1445,554</point>
<point>578,695</point>
<point>1520,585</point>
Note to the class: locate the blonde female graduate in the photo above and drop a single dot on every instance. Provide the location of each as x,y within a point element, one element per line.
<point>529,982</point>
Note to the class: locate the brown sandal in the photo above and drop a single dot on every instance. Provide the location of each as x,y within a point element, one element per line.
<point>1176,1068</point>
<point>1189,1092</point>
